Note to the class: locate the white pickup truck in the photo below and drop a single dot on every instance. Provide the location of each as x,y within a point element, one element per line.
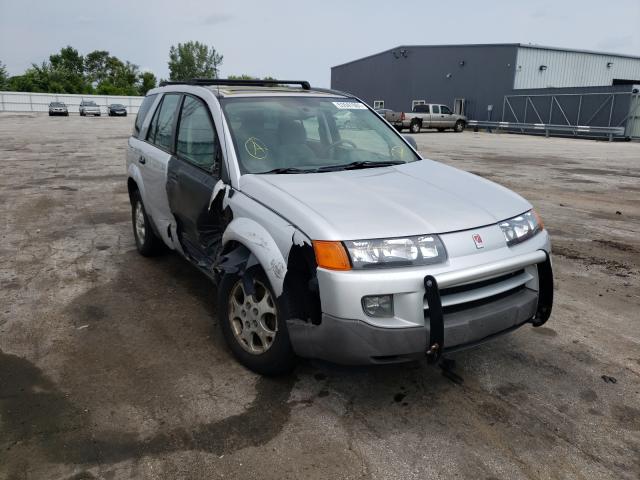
<point>429,115</point>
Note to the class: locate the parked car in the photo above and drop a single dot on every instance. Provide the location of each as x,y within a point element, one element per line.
<point>58,108</point>
<point>383,111</point>
<point>430,115</point>
<point>117,110</point>
<point>89,107</point>
<point>325,241</point>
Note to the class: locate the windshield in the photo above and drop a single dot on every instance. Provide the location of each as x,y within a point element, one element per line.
<point>90,104</point>
<point>306,134</point>
<point>117,105</point>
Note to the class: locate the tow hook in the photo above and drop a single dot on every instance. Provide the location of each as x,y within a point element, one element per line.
<point>435,337</point>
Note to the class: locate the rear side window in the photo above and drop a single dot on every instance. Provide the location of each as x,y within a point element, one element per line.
<point>142,113</point>
<point>436,109</point>
<point>161,128</point>
<point>196,135</point>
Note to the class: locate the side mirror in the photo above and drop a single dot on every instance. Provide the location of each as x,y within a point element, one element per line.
<point>412,141</point>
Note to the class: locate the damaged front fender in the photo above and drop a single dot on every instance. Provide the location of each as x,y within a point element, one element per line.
<point>259,244</point>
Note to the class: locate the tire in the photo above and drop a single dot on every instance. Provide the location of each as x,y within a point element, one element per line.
<point>415,127</point>
<point>81,113</point>
<point>399,128</point>
<point>50,114</point>
<point>441,129</point>
<point>147,242</point>
<point>278,357</point>
<point>459,126</point>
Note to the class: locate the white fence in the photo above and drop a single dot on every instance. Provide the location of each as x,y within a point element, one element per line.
<point>39,102</point>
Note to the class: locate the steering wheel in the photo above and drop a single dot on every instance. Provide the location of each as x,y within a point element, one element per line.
<point>342,142</point>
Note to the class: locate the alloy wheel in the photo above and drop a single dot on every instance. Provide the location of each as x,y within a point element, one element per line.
<point>253,318</point>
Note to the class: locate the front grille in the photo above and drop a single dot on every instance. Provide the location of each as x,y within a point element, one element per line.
<point>471,295</point>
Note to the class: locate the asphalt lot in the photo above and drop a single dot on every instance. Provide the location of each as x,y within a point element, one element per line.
<point>112,365</point>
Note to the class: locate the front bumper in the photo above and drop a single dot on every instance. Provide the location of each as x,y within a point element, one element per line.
<point>351,342</point>
<point>480,295</point>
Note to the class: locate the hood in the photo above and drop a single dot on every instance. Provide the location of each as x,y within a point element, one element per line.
<point>416,198</point>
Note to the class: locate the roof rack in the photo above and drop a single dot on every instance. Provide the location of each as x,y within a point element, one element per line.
<point>233,82</point>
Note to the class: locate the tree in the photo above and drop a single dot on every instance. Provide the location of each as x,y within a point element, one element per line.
<point>3,76</point>
<point>96,66</point>
<point>147,82</point>
<point>193,60</point>
<point>244,76</point>
<point>68,60</point>
<point>70,72</point>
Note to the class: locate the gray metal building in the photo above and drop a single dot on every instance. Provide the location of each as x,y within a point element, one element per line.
<point>502,82</point>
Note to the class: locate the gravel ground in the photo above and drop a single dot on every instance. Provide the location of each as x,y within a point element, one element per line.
<point>112,365</point>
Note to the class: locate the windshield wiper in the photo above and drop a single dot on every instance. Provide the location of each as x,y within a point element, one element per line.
<point>358,165</point>
<point>289,170</point>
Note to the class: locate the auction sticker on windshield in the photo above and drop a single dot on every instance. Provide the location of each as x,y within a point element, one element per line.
<point>350,105</point>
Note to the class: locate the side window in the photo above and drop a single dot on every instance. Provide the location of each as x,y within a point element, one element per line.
<point>444,109</point>
<point>142,113</point>
<point>161,128</point>
<point>196,135</point>
<point>435,109</point>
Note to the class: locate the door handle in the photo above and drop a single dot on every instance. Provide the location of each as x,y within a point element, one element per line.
<point>142,160</point>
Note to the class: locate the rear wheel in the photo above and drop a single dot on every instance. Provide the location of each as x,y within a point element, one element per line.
<point>459,127</point>
<point>254,326</point>
<point>441,129</point>
<point>415,127</point>
<point>147,242</point>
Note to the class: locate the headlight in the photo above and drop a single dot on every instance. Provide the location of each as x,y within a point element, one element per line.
<point>520,228</point>
<point>396,252</point>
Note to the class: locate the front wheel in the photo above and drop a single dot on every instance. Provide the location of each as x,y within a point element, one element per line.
<point>415,127</point>
<point>254,325</point>
<point>459,127</point>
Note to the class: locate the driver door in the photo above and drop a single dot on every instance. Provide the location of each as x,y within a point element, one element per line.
<point>447,117</point>
<point>192,172</point>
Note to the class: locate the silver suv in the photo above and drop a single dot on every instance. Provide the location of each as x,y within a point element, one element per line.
<point>89,107</point>
<point>325,240</point>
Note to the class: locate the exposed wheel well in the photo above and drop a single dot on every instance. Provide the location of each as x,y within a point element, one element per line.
<point>301,284</point>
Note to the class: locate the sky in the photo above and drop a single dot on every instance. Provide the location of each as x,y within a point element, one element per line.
<point>302,40</point>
